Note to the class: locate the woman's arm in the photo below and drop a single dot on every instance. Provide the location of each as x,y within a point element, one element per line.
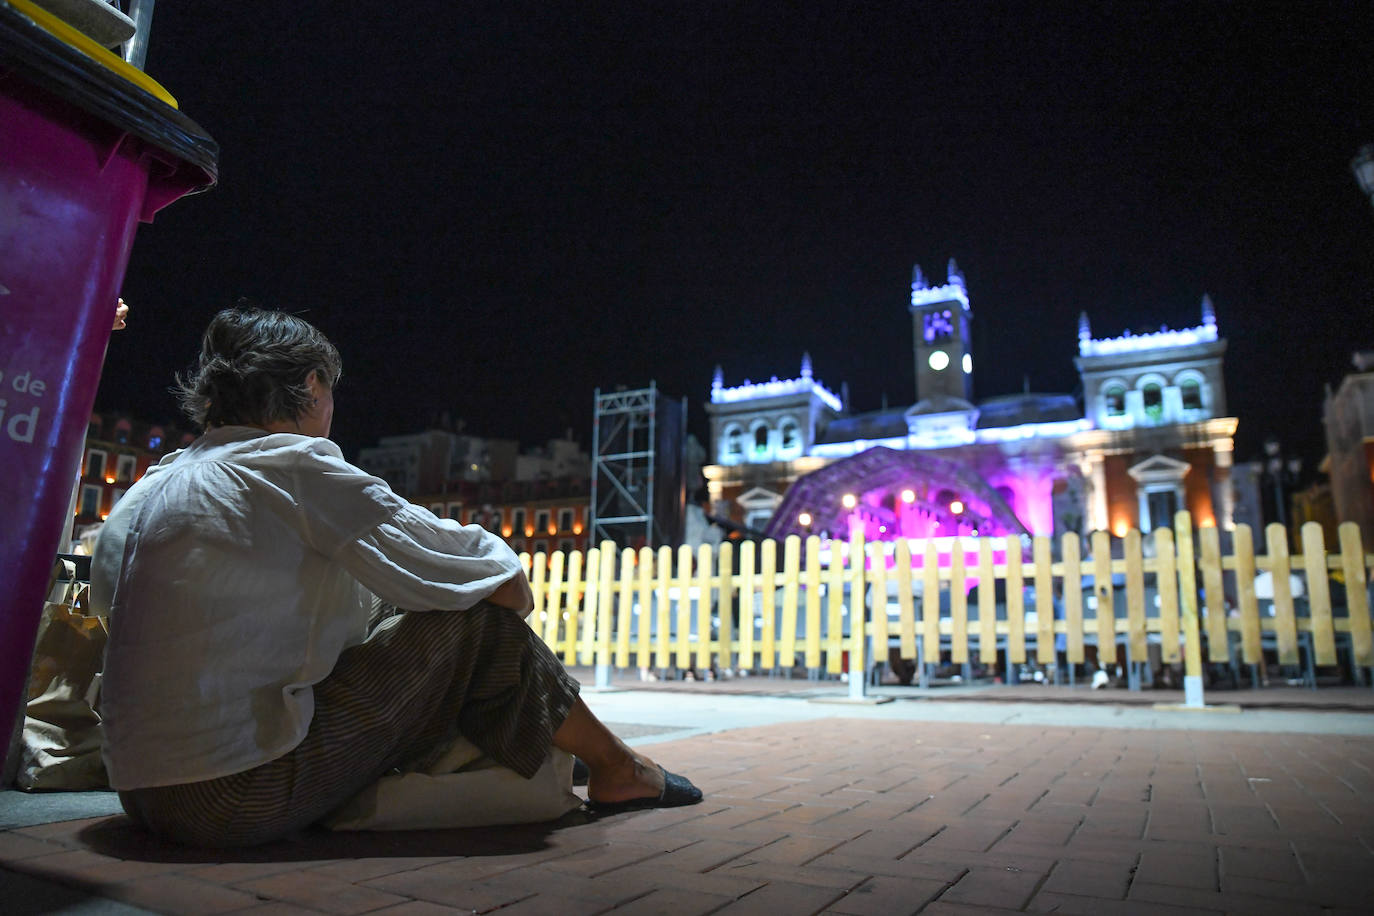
<point>418,562</point>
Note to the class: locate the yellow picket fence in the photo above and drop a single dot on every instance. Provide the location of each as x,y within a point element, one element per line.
<point>966,600</point>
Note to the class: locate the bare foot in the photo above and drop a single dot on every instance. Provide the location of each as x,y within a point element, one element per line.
<point>634,776</point>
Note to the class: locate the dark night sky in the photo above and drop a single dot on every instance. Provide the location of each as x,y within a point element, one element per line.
<point>493,209</point>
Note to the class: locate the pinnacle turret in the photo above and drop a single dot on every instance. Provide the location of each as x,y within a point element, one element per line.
<point>955,275</point>
<point>918,278</point>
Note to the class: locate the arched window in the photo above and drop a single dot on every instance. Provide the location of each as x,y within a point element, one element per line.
<point>734,443</point>
<point>1115,400</point>
<point>1191,392</point>
<point>761,439</point>
<point>789,435</point>
<point>1153,398</point>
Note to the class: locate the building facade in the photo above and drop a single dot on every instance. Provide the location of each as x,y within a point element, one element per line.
<point>1348,416</point>
<point>1149,438</point>
<point>118,450</point>
<point>429,461</point>
<point>537,500</point>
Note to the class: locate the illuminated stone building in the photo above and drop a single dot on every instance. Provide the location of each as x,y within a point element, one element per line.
<point>1150,436</point>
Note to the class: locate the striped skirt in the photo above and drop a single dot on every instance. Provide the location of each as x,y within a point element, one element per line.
<point>394,701</point>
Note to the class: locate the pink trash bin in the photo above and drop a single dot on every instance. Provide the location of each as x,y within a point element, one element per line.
<point>88,148</point>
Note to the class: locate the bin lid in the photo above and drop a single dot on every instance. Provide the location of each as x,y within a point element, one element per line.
<point>51,54</point>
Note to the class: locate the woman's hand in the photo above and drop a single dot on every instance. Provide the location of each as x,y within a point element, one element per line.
<point>514,594</point>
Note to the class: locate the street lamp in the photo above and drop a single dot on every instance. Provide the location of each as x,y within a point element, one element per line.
<point>1363,167</point>
<point>1281,471</point>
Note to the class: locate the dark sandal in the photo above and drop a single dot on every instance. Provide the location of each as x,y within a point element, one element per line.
<point>677,791</point>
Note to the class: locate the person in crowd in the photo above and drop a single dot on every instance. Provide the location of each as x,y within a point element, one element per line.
<point>243,697</point>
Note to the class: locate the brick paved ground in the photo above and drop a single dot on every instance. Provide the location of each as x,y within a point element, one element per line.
<point>838,816</point>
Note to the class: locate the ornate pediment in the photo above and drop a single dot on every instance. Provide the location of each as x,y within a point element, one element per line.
<point>759,499</point>
<point>1159,468</point>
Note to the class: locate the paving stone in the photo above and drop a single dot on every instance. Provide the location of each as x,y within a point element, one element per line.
<point>1040,832</point>
<point>782,897</point>
<point>65,832</point>
<point>357,870</point>
<point>1269,864</point>
<point>1326,895</point>
<point>882,843</point>
<point>603,858</point>
<point>704,855</point>
<point>885,895</point>
<point>716,824</point>
<point>1179,868</point>
<point>722,881</point>
<point>418,908</point>
<point>1102,880</point>
<point>1215,900</point>
<point>15,846</point>
<point>971,834</point>
<point>906,867</point>
<point>673,902</point>
<point>476,868</point>
<point>278,908</point>
<point>180,894</point>
<point>92,869</point>
<point>1243,820</point>
<point>792,850</point>
<point>803,814</point>
<point>829,876</point>
<point>993,887</point>
<point>1051,902</point>
<point>1043,809</point>
<point>545,905</point>
<point>611,889</point>
<point>321,893</point>
<point>942,908</point>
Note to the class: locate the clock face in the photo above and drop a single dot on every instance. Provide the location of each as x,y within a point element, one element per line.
<point>939,325</point>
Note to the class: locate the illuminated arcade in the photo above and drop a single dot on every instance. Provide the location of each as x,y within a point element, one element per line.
<point>886,494</point>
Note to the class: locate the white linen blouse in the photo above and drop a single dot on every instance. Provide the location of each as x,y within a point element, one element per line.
<point>234,573</point>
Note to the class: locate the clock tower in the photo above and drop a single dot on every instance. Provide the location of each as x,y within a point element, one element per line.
<point>941,316</point>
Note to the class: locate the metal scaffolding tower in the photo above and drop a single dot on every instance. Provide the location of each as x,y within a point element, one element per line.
<point>636,468</point>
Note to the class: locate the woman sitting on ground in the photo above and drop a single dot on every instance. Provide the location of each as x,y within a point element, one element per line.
<point>243,698</point>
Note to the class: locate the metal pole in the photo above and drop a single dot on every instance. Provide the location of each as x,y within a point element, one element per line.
<point>652,448</point>
<point>1187,586</point>
<point>594,522</point>
<point>1278,499</point>
<point>136,48</point>
<point>858,594</point>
